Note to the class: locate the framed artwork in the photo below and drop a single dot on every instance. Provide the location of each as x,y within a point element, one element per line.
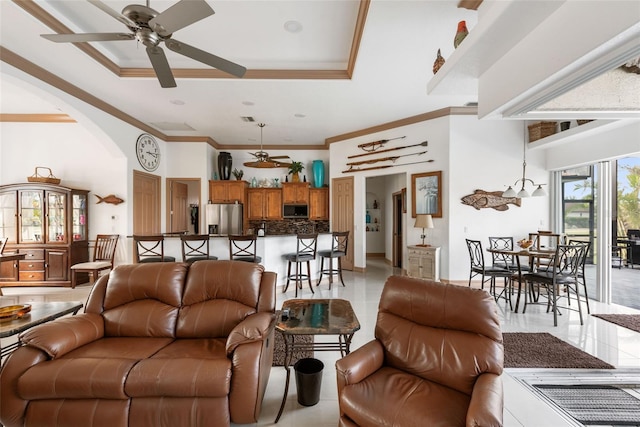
<point>426,194</point>
<point>404,200</point>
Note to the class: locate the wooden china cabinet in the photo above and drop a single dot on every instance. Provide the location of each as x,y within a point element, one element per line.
<point>48,223</point>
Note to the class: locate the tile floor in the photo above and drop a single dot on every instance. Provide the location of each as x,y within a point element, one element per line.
<point>523,407</point>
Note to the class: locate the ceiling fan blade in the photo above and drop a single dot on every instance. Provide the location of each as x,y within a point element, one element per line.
<point>206,58</point>
<point>87,37</point>
<point>180,15</point>
<point>279,157</point>
<point>120,17</point>
<point>266,165</point>
<point>161,66</point>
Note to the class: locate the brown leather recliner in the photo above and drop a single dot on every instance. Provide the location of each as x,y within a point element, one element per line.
<point>436,360</point>
<point>161,344</point>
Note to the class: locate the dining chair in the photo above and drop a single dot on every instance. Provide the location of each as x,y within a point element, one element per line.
<point>339,245</point>
<point>581,271</point>
<point>104,253</point>
<point>150,249</point>
<point>195,247</point>
<point>306,249</point>
<point>488,273</point>
<point>562,271</point>
<point>504,260</point>
<point>3,243</point>
<point>544,240</point>
<point>244,248</point>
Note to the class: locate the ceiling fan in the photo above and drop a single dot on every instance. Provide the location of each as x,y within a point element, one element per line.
<point>263,160</point>
<point>150,28</point>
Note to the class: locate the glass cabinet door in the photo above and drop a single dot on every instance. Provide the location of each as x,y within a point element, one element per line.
<point>56,220</point>
<point>79,217</point>
<point>31,217</point>
<point>8,211</point>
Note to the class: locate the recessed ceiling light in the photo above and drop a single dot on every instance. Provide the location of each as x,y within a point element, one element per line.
<point>293,26</point>
<point>247,103</point>
<point>177,102</point>
<point>300,116</point>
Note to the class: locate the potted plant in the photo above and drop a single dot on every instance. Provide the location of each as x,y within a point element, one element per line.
<point>294,170</point>
<point>238,174</point>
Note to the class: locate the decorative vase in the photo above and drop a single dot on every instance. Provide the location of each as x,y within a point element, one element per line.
<point>318,173</point>
<point>295,177</point>
<point>460,34</point>
<point>224,165</point>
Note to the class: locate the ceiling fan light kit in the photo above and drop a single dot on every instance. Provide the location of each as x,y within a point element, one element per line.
<point>152,28</point>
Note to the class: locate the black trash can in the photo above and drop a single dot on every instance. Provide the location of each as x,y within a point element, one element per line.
<point>308,380</point>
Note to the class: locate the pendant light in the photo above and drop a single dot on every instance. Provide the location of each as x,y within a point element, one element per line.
<point>538,192</point>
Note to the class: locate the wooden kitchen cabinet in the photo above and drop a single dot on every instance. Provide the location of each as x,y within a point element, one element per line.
<point>49,224</point>
<point>424,262</point>
<point>227,191</point>
<point>264,203</point>
<point>295,193</point>
<point>319,203</point>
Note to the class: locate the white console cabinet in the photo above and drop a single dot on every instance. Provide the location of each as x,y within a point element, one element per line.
<point>424,262</point>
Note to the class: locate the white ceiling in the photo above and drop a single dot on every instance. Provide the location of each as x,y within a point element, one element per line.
<point>393,65</point>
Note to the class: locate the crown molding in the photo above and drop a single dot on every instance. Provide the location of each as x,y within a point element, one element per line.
<point>36,118</point>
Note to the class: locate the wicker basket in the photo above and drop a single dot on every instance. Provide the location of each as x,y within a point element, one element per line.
<point>541,130</point>
<point>41,178</point>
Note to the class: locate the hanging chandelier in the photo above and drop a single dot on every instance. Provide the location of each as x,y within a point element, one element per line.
<point>538,192</point>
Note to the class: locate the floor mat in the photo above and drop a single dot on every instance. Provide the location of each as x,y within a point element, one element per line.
<point>596,404</point>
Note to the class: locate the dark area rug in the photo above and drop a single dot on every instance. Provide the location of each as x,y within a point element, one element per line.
<point>543,350</point>
<point>629,321</point>
<point>278,350</point>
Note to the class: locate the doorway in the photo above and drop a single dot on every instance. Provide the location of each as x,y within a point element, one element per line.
<point>342,214</point>
<point>183,206</point>
<point>146,203</point>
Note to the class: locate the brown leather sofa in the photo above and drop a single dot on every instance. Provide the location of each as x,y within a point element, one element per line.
<point>162,344</point>
<point>436,360</point>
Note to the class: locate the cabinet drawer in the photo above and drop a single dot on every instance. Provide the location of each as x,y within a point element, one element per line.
<point>34,276</point>
<point>31,265</point>
<point>33,253</point>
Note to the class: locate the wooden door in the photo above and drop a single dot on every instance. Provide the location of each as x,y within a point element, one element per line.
<point>57,264</point>
<point>179,208</point>
<point>342,214</point>
<point>146,203</point>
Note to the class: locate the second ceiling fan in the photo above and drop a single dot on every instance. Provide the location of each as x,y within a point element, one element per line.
<point>263,160</point>
<point>151,28</point>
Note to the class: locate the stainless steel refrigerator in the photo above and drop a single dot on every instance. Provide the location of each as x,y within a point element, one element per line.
<point>224,219</point>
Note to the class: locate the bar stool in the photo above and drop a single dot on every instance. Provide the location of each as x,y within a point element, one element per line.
<point>151,249</point>
<point>195,247</point>
<point>340,241</point>
<point>305,253</point>
<point>243,248</point>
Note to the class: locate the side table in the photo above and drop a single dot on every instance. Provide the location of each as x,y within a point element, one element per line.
<point>424,262</point>
<point>315,317</point>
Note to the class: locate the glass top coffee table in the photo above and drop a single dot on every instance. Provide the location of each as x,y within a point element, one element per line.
<point>315,317</point>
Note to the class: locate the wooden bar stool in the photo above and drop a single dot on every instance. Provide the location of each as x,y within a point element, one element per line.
<point>195,247</point>
<point>243,248</point>
<point>340,241</point>
<point>305,253</point>
<point>151,249</point>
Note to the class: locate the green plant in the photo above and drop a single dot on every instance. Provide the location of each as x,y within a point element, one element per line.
<point>237,173</point>
<point>296,167</point>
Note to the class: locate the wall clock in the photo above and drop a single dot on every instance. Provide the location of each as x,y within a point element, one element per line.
<point>148,152</point>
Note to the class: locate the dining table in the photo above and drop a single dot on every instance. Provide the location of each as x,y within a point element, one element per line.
<point>532,254</point>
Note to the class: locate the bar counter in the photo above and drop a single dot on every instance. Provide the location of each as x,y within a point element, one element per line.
<point>271,248</point>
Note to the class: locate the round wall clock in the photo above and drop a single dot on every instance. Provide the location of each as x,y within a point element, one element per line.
<point>148,152</point>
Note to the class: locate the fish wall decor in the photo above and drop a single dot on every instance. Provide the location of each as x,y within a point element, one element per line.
<point>489,199</point>
<point>114,200</point>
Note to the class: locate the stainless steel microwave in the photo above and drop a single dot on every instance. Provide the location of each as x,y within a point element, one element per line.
<point>295,211</point>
